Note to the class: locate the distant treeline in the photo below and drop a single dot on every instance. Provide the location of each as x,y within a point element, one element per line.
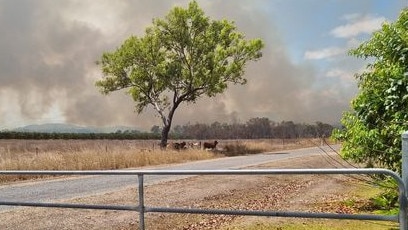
<point>254,128</point>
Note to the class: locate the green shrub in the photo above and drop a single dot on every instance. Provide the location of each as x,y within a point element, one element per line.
<point>387,200</point>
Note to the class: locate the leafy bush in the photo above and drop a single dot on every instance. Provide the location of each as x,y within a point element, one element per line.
<point>387,200</point>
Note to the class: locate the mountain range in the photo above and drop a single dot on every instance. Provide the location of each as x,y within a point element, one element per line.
<point>71,128</point>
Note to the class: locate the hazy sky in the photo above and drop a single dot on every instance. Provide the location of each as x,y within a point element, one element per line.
<point>48,50</point>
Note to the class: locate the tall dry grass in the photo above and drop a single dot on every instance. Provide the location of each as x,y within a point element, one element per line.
<point>87,155</point>
<point>119,154</point>
<point>242,147</point>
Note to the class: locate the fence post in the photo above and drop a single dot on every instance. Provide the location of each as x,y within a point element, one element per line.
<point>141,203</point>
<point>403,210</point>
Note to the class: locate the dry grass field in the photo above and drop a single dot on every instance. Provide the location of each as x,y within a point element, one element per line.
<point>119,154</point>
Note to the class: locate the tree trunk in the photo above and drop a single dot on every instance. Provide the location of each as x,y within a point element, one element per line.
<point>164,136</point>
<point>167,125</point>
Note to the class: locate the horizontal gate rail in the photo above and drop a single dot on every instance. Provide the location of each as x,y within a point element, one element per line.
<point>142,209</point>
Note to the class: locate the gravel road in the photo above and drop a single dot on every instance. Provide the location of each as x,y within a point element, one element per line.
<point>80,186</point>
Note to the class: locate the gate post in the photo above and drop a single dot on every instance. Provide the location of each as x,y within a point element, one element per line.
<point>141,203</point>
<point>403,210</point>
<point>405,160</point>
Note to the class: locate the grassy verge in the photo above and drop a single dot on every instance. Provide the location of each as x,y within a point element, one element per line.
<point>320,225</point>
<point>359,200</point>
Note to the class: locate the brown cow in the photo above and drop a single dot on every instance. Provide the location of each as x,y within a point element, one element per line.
<point>208,145</point>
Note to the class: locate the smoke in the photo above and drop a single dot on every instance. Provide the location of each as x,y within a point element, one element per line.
<point>48,51</point>
<point>277,88</point>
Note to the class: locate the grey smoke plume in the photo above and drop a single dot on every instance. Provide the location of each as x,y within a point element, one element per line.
<point>48,51</point>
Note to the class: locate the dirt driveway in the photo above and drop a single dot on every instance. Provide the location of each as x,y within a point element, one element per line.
<point>224,192</point>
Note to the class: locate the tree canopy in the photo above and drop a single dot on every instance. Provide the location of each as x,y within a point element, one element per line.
<point>180,58</point>
<point>372,130</point>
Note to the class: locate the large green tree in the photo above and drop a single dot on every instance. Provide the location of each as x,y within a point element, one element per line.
<point>179,59</point>
<point>372,130</point>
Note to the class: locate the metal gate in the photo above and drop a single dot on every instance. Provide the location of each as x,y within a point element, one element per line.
<point>143,208</point>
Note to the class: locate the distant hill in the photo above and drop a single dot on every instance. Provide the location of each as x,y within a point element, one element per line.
<point>70,128</point>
